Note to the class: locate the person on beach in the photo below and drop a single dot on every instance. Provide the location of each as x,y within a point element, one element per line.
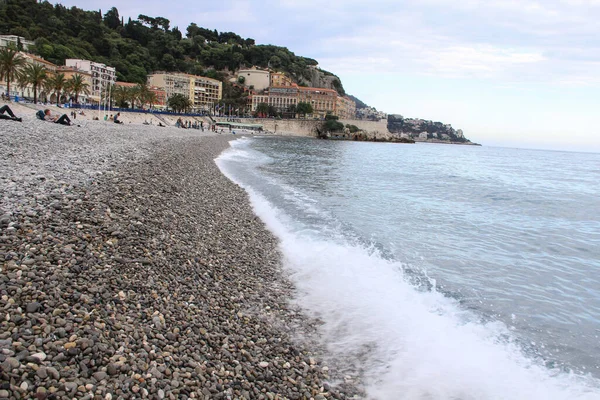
<point>46,115</point>
<point>5,109</point>
<point>116,119</point>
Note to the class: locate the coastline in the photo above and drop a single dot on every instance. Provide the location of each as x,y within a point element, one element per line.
<point>132,267</point>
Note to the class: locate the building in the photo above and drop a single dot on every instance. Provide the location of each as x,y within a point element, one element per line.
<point>323,101</point>
<point>204,92</point>
<point>345,108</point>
<point>18,42</point>
<point>70,72</point>
<point>102,75</point>
<point>33,59</point>
<point>279,79</point>
<point>171,82</point>
<point>17,89</point>
<point>281,98</point>
<point>258,79</point>
<point>161,97</point>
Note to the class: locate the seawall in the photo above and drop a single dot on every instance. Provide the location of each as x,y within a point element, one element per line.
<point>302,127</point>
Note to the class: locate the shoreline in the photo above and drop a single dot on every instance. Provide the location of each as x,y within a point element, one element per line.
<point>133,268</point>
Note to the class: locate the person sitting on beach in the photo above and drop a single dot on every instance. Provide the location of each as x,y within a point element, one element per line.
<point>6,109</point>
<point>116,118</point>
<point>46,115</point>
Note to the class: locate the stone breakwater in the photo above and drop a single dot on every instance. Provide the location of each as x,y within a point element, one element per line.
<point>132,268</point>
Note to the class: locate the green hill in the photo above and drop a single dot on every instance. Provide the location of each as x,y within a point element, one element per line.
<point>138,47</point>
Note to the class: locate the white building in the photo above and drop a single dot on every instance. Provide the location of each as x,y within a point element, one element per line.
<point>7,40</point>
<point>259,79</point>
<point>102,75</point>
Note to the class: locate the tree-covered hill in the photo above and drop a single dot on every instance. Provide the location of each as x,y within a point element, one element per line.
<point>146,44</point>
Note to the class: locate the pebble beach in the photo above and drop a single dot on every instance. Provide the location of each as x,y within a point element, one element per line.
<point>132,268</point>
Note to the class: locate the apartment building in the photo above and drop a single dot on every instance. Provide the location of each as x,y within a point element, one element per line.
<point>345,108</point>
<point>323,101</point>
<point>279,79</point>
<point>27,91</point>
<point>203,92</point>
<point>171,82</point>
<point>33,59</point>
<point>282,98</point>
<point>102,75</point>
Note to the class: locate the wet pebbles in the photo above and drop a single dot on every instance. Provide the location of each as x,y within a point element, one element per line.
<point>131,268</point>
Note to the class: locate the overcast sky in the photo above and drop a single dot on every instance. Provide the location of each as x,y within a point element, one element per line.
<point>508,72</point>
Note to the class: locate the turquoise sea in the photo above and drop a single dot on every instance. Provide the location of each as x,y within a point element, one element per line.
<point>439,271</point>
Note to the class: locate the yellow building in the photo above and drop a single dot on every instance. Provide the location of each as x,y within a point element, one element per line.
<point>205,92</point>
<point>345,108</point>
<point>202,92</point>
<point>27,90</point>
<point>323,101</point>
<point>172,82</point>
<point>279,79</point>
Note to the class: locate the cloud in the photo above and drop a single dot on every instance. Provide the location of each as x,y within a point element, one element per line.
<point>547,41</point>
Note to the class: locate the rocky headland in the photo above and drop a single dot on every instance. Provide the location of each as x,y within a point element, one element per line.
<point>132,268</point>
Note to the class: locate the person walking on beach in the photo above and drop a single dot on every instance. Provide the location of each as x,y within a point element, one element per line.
<point>46,115</point>
<point>6,110</point>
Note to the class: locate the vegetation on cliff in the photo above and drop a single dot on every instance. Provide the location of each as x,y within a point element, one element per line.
<point>138,47</point>
<point>416,127</point>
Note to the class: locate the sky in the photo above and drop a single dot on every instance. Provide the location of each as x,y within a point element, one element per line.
<point>514,73</point>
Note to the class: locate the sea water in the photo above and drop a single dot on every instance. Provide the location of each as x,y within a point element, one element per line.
<point>439,271</point>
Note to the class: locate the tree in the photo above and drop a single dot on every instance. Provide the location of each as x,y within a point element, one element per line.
<point>304,108</point>
<point>241,80</point>
<point>262,109</point>
<point>22,82</point>
<point>77,84</point>
<point>133,94</point>
<point>58,83</point>
<point>274,62</point>
<point>120,96</point>
<point>179,103</point>
<point>36,75</point>
<point>11,64</point>
<point>145,95</point>
<point>352,128</point>
<point>112,19</point>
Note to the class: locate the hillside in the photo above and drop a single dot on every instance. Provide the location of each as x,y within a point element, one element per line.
<point>425,129</point>
<point>138,47</point>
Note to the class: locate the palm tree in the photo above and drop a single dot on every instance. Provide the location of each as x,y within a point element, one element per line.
<point>22,81</point>
<point>151,98</point>
<point>146,96</point>
<point>133,95</point>
<point>47,87</point>
<point>59,83</point>
<point>11,63</point>
<point>77,85</point>
<point>36,75</point>
<point>179,103</point>
<point>120,95</point>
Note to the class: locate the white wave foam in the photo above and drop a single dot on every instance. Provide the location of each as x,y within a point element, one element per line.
<point>408,344</point>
